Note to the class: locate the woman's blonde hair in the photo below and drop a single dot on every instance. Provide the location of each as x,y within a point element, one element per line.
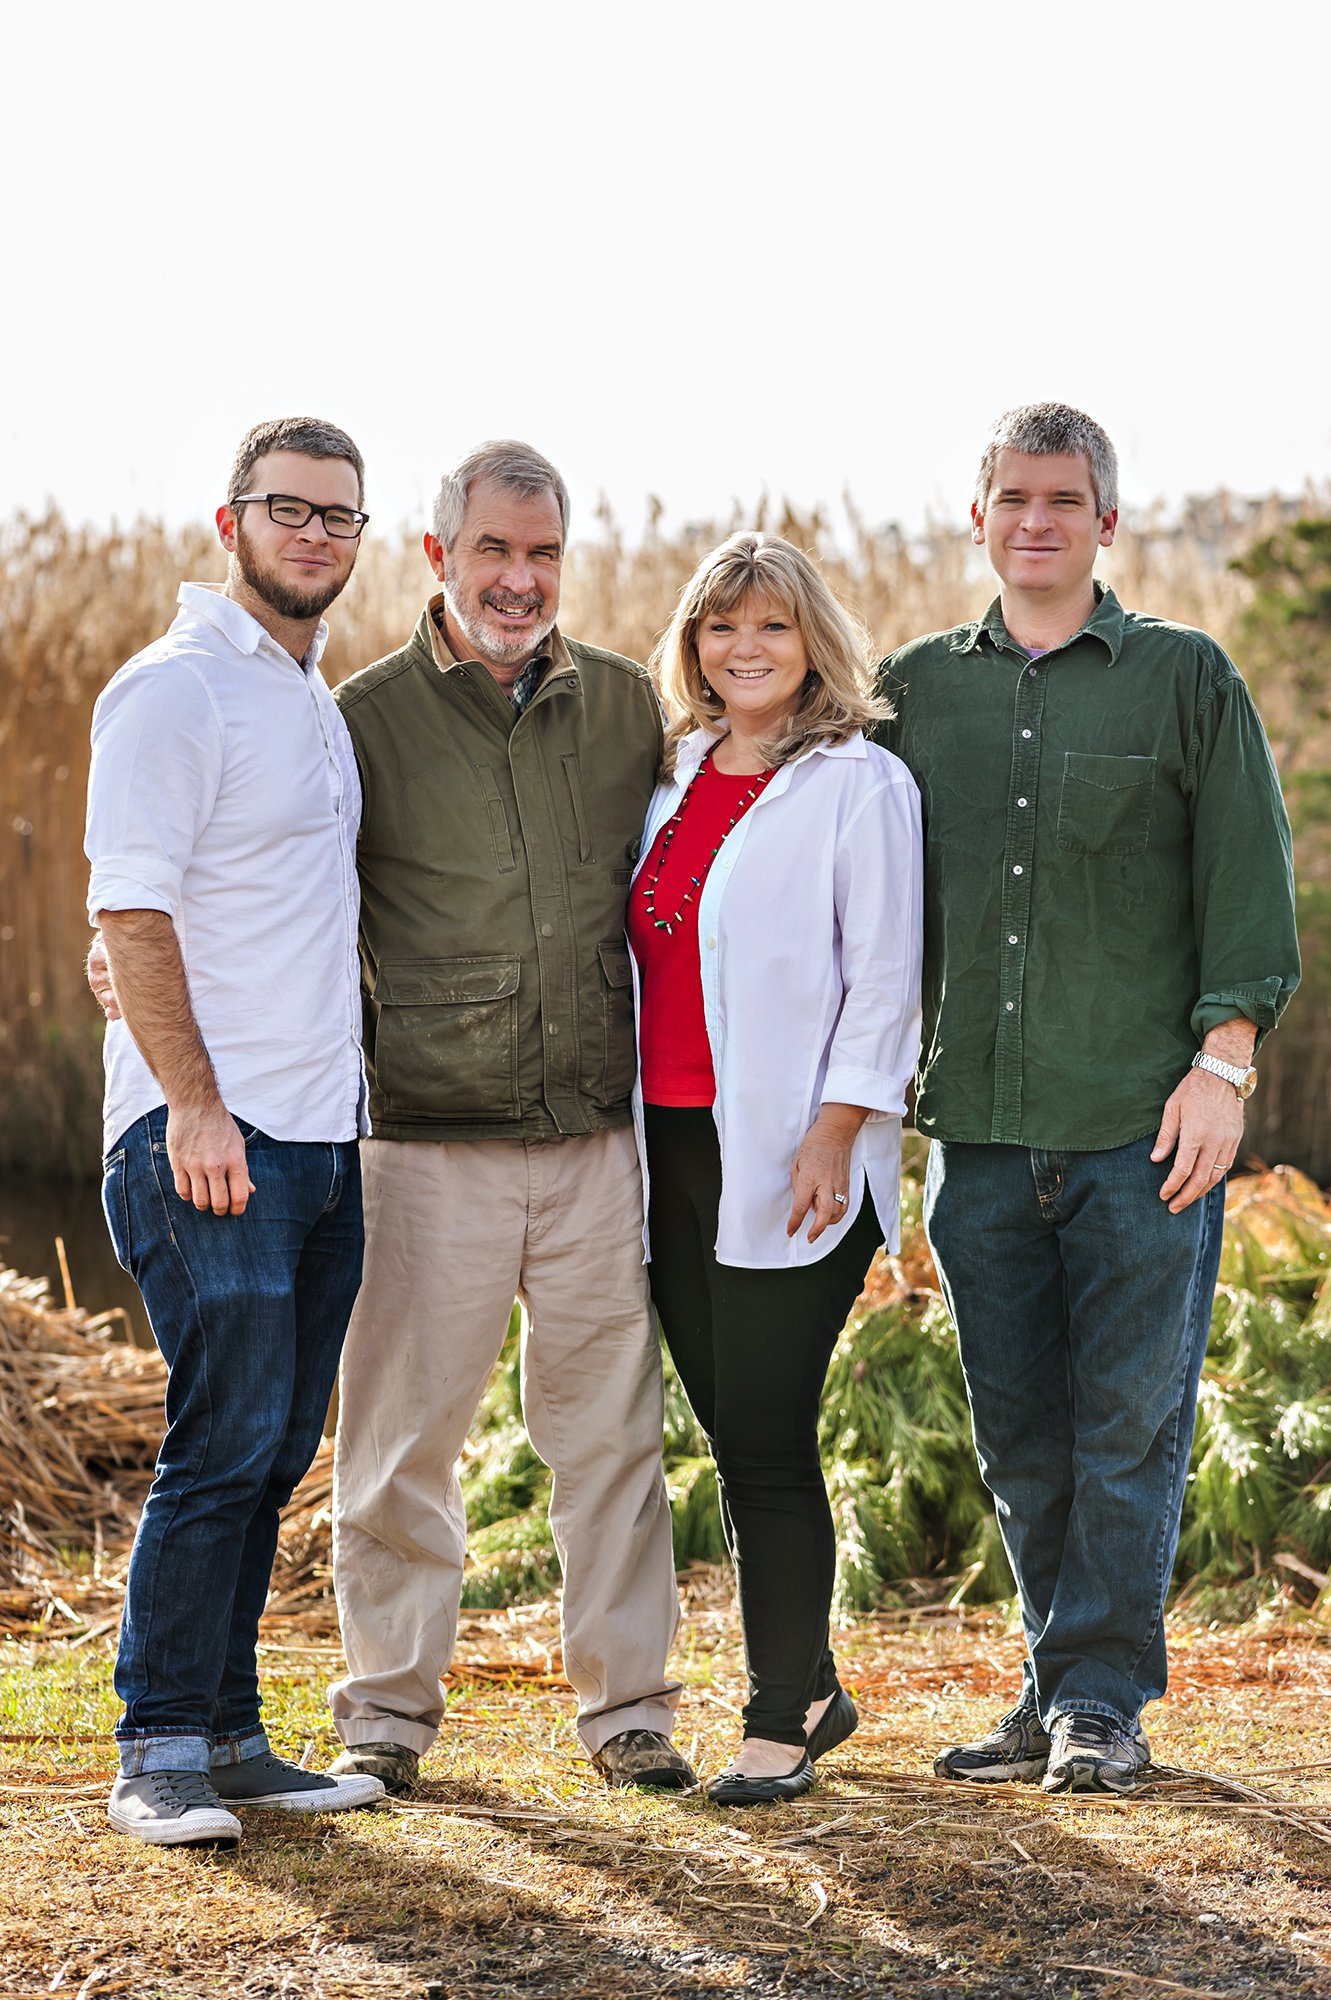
<point>839,694</point>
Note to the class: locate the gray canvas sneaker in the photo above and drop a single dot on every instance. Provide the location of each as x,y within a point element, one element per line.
<point>1088,1753</point>
<point>172,1809</point>
<point>1017,1747</point>
<point>271,1781</point>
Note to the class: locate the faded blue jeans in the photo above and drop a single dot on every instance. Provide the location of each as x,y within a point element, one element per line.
<point>249,1312</point>
<point>1082,1309</point>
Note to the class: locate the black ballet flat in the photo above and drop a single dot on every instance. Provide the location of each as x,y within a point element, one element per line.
<point>733,1789</point>
<point>838,1720</point>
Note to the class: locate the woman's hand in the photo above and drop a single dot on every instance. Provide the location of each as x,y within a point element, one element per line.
<point>822,1168</point>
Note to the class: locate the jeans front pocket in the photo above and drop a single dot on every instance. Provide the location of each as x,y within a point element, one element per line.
<point>446,1037</point>
<point>1105,804</point>
<point>115,1205</point>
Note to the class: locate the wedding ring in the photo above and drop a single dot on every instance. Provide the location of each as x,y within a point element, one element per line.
<point>841,1198</point>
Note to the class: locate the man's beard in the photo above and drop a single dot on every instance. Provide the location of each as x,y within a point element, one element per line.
<point>286,599</point>
<point>488,640</point>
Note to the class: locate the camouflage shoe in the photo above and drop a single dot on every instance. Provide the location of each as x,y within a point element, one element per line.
<point>644,1757</point>
<point>392,1764</point>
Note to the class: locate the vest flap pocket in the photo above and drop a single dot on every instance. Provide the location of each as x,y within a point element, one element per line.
<point>445,982</point>
<point>443,1039</point>
<point>615,964</point>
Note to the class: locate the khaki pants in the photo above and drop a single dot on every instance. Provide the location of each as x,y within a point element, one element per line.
<point>455,1230</point>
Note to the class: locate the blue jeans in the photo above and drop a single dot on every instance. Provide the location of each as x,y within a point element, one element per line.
<point>1082,1309</point>
<point>249,1312</point>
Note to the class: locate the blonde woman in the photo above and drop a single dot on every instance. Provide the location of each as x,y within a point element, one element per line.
<point>774,921</point>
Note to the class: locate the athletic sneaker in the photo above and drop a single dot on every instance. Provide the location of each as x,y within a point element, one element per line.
<point>1016,1747</point>
<point>172,1809</point>
<point>267,1780</point>
<point>1088,1753</point>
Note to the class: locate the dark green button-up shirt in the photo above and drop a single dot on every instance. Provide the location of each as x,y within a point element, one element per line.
<point>1107,872</point>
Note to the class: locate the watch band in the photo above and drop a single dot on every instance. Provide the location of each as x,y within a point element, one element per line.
<point>1240,1076</point>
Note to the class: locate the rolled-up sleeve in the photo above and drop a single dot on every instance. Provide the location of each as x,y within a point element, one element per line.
<point>878,885</point>
<point>1242,864</point>
<point>157,745</point>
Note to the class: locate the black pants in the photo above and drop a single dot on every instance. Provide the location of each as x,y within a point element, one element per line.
<point>752,1348</point>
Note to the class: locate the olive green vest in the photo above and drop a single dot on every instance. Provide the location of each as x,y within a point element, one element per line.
<point>494,857</point>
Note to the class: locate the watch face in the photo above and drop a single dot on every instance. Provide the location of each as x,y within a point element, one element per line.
<point>1248,1085</point>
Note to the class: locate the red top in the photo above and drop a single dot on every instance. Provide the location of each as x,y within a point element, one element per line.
<point>674,1051</point>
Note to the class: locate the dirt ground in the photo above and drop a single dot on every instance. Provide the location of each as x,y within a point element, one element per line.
<point>516,1872</point>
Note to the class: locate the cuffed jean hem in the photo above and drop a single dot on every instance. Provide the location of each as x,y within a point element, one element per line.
<point>235,1749</point>
<point>167,1750</point>
<point>597,1730</point>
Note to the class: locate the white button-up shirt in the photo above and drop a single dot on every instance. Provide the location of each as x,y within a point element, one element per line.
<point>224,791</point>
<point>809,934</point>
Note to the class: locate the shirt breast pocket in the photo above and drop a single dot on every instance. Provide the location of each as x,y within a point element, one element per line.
<point>1105,804</point>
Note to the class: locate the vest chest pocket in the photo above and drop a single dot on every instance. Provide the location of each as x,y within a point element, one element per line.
<point>1105,804</point>
<point>446,1037</point>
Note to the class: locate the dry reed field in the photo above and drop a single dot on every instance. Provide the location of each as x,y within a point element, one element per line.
<point>75,604</point>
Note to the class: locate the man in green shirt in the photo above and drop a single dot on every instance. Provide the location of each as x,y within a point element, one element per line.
<point>1109,933</point>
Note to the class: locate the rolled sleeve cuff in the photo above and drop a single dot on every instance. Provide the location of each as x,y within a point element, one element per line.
<point>1261,1002</point>
<point>110,891</point>
<point>871,1088</point>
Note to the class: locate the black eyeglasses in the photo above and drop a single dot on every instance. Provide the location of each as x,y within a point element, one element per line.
<point>343,523</point>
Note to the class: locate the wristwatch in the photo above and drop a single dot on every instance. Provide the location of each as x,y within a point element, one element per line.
<point>1243,1080</point>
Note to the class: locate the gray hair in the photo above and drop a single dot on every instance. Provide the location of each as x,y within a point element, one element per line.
<point>308,435</point>
<point>1045,430</point>
<point>509,463</point>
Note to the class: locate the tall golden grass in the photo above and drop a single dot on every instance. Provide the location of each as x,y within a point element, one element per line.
<point>76,602</point>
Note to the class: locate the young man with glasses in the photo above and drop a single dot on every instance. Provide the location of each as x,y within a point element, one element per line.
<point>223,807</point>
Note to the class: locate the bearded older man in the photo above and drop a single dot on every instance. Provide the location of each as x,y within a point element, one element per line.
<point>506,773</point>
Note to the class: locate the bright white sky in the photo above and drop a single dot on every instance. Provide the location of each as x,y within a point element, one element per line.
<point>696,250</point>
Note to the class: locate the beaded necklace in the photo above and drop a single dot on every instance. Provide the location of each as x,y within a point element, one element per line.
<point>667,924</point>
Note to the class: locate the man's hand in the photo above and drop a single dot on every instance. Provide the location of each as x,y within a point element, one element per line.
<point>1203,1120</point>
<point>139,950</point>
<point>99,978</point>
<point>822,1168</point>
<point>207,1156</point>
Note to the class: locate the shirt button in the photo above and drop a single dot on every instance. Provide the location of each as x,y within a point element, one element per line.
<point>553,1029</point>
<point>1017,869</point>
<point>1021,802</point>
<point>1013,938</point>
<point>1027,734</point>
<point>1032,670</point>
<point>1010,1006</point>
<point>711,944</point>
<point>547,930</point>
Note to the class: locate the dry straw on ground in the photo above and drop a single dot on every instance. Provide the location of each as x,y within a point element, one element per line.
<point>516,1873</point>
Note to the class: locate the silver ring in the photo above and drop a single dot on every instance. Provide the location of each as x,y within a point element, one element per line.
<point>1220,1168</point>
<point>841,1198</point>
